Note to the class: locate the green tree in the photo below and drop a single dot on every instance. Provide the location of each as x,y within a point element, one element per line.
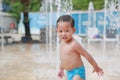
<point>25,6</point>
<point>98,4</point>
<point>83,4</point>
<point>16,6</point>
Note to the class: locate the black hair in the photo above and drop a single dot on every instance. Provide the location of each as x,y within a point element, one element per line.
<point>66,18</point>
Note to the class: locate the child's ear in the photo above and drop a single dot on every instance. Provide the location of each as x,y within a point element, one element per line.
<point>74,29</point>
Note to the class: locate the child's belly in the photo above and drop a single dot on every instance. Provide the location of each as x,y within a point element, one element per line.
<point>71,64</point>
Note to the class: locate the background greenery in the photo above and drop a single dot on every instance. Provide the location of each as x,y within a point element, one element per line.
<point>83,4</point>
<point>16,7</point>
<point>26,6</point>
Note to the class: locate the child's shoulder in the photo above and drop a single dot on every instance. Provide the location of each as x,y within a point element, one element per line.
<point>76,44</point>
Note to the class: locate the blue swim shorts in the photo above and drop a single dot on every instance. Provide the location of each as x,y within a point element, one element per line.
<point>76,71</point>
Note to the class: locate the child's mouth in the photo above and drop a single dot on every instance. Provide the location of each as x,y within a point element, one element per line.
<point>64,37</point>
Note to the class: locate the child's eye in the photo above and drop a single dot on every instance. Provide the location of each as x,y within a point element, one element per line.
<point>67,30</point>
<point>60,31</point>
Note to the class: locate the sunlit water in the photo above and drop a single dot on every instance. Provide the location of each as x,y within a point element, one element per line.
<point>32,62</point>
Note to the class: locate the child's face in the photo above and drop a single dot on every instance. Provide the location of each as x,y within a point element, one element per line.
<point>65,31</point>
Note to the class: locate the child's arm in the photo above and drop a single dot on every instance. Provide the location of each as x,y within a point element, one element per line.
<point>98,70</point>
<point>90,59</point>
<point>61,73</point>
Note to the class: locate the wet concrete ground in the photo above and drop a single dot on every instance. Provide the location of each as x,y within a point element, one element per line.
<point>32,62</point>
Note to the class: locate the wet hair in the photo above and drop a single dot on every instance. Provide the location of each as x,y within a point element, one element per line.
<point>66,18</point>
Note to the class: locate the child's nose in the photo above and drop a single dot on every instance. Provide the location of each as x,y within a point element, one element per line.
<point>63,33</point>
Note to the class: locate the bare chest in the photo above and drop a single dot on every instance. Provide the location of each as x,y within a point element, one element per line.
<point>66,50</point>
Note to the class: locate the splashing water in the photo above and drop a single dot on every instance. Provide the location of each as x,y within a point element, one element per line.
<point>65,5</point>
<point>61,5</point>
<point>113,13</point>
<point>58,6</point>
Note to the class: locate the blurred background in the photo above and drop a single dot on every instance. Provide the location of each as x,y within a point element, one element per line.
<point>29,43</point>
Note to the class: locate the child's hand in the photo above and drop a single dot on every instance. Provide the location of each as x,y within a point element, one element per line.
<point>61,73</point>
<point>99,71</point>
